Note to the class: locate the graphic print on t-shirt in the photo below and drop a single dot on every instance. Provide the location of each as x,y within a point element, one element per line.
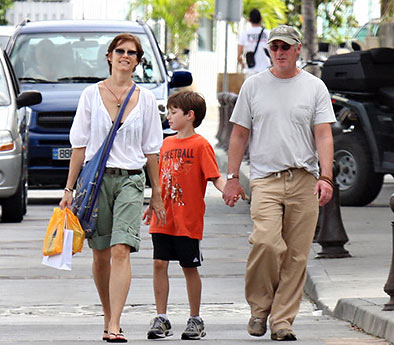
<point>175,162</point>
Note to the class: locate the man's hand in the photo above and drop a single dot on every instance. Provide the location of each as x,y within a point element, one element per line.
<point>232,192</point>
<point>324,190</point>
<point>241,61</point>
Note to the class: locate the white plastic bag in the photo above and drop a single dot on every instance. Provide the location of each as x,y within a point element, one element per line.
<point>62,261</point>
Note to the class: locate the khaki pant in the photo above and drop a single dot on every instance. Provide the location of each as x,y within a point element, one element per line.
<point>284,213</point>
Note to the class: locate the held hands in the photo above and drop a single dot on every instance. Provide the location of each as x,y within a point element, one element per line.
<point>232,192</point>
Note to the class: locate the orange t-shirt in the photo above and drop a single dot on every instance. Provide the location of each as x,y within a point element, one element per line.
<point>185,167</point>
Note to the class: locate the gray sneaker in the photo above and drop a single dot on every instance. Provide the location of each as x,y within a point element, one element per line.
<point>194,329</point>
<point>257,326</point>
<point>160,328</point>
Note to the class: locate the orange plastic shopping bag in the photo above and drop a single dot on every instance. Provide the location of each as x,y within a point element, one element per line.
<point>53,240</point>
<point>62,220</point>
<point>72,223</point>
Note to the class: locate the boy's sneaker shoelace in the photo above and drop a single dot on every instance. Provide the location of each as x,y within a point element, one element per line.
<point>160,328</point>
<point>194,329</point>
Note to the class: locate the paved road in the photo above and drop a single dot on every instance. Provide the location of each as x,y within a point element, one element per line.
<point>41,305</point>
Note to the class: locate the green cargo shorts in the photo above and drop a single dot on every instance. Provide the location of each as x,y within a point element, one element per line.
<point>120,211</point>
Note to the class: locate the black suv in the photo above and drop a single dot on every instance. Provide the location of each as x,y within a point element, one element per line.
<point>361,84</point>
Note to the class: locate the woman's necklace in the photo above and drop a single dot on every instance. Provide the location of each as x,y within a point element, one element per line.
<point>117,99</point>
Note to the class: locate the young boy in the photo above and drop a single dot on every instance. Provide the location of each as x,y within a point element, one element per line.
<point>187,162</point>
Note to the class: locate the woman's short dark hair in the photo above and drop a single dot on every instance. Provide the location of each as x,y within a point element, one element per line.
<point>124,38</point>
<point>189,100</point>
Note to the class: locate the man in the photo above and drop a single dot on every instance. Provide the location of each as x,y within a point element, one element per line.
<point>248,40</point>
<point>286,112</point>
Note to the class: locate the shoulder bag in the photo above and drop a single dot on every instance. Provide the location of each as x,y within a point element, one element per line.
<point>85,203</point>
<point>250,60</point>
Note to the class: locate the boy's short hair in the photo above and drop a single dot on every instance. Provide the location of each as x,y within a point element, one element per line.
<point>189,100</point>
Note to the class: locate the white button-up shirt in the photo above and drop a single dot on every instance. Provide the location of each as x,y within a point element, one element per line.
<point>140,134</point>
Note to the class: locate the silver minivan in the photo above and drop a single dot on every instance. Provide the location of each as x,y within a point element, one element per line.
<point>14,124</point>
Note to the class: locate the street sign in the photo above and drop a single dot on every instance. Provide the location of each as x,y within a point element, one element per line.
<point>228,10</point>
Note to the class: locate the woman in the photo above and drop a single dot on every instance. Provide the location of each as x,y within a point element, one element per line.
<point>137,142</point>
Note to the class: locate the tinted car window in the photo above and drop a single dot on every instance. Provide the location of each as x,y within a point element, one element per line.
<point>73,57</point>
<point>4,92</point>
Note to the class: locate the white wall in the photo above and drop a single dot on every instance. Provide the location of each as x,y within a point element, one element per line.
<point>100,9</point>
<point>38,11</point>
<point>365,10</point>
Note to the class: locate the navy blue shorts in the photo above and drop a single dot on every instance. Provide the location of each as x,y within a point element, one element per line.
<point>184,249</point>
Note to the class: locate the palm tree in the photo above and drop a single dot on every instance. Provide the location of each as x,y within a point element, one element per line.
<point>308,10</point>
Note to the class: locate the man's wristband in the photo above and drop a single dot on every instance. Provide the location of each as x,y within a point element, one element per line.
<point>68,190</point>
<point>327,179</point>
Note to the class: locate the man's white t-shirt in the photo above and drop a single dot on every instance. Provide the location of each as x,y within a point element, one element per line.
<point>248,39</point>
<point>281,115</point>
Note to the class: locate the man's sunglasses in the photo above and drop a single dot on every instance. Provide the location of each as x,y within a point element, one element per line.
<point>284,47</point>
<point>122,51</point>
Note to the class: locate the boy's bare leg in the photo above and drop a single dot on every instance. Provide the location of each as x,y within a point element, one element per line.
<point>193,285</point>
<point>101,268</point>
<point>119,283</point>
<point>161,285</point>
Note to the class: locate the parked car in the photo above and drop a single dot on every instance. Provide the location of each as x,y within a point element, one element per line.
<point>74,58</point>
<point>366,37</point>
<point>14,119</point>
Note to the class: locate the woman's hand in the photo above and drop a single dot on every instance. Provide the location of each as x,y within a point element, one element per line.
<point>156,205</point>
<point>66,200</point>
<point>147,216</point>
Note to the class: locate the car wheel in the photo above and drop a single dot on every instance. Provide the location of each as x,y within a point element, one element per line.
<point>13,207</point>
<point>358,183</point>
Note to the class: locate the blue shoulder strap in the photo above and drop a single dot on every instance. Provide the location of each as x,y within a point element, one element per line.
<point>105,154</point>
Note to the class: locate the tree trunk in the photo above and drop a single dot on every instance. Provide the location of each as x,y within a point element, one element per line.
<point>386,34</point>
<point>386,8</point>
<point>309,50</point>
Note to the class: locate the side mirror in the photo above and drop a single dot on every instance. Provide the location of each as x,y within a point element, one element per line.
<point>180,79</point>
<point>28,98</point>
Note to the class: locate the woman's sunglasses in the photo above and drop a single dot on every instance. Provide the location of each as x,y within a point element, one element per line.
<point>284,47</point>
<point>122,51</point>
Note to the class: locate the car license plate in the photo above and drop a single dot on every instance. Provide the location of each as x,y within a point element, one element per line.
<point>61,153</point>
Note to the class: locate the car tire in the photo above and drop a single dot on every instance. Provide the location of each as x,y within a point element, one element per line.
<point>358,183</point>
<point>14,207</point>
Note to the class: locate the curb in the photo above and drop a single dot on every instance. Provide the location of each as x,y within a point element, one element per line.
<point>365,313</point>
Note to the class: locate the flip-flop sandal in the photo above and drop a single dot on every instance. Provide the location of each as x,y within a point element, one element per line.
<point>106,335</point>
<point>116,338</point>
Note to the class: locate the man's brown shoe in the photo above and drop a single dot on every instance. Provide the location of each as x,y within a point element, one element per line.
<point>283,335</point>
<point>257,326</point>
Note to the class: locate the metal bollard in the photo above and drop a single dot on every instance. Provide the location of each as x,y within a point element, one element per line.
<point>332,236</point>
<point>389,286</point>
<point>227,102</point>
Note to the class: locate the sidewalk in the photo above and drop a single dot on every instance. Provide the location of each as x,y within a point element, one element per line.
<point>351,288</point>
